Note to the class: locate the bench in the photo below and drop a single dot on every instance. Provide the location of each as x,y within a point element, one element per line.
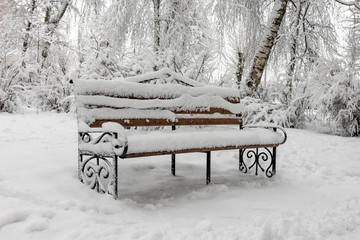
<point>163,113</point>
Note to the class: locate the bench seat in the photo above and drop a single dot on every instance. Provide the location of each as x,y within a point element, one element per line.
<point>148,143</point>
<point>206,138</point>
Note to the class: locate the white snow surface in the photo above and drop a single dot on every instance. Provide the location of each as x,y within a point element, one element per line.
<point>183,103</point>
<point>314,195</point>
<point>163,75</point>
<point>154,108</point>
<point>90,115</point>
<point>188,138</point>
<point>123,88</point>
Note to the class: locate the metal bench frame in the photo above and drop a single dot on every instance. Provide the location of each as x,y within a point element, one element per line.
<point>100,171</point>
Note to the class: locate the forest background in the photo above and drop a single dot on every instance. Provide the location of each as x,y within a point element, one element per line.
<point>296,63</point>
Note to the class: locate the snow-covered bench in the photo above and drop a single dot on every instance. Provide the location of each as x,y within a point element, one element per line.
<point>179,116</point>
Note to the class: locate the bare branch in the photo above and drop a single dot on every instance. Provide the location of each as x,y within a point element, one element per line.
<point>61,13</point>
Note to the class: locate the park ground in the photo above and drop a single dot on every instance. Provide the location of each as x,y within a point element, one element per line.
<point>314,195</point>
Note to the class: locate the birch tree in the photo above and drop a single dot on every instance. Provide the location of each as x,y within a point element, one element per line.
<point>54,12</point>
<point>262,55</point>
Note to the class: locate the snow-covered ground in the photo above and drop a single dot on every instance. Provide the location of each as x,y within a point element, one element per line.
<point>315,194</point>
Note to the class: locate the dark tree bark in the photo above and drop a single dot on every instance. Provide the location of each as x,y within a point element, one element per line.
<point>28,27</point>
<point>156,25</point>
<point>52,23</point>
<point>293,49</point>
<point>240,66</point>
<point>156,28</point>
<point>262,56</point>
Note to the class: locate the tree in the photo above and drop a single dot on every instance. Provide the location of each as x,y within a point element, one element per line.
<point>34,65</point>
<point>54,12</point>
<point>262,55</point>
<point>157,27</point>
<point>302,9</point>
<point>308,34</point>
<point>239,25</point>
<point>181,37</point>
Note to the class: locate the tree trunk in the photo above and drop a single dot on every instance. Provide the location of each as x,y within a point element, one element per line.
<point>28,27</point>
<point>262,56</point>
<point>48,32</point>
<point>291,70</point>
<point>156,28</point>
<point>240,66</point>
<point>51,24</point>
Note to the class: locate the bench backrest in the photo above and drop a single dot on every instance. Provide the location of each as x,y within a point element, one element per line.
<point>162,98</point>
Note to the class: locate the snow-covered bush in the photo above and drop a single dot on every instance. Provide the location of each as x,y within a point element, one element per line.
<point>297,111</point>
<point>53,96</point>
<point>327,98</point>
<point>333,96</point>
<point>47,95</point>
<point>270,105</point>
<point>14,82</point>
<point>9,96</point>
<point>256,111</point>
<point>34,57</point>
<point>33,84</point>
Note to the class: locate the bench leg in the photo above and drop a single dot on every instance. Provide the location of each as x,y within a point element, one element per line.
<point>115,177</point>
<point>274,161</point>
<point>242,165</point>
<point>173,163</point>
<point>208,168</point>
<point>173,128</point>
<point>258,157</point>
<point>80,160</point>
<point>99,172</point>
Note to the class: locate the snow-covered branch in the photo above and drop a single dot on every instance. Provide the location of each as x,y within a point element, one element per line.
<point>350,3</point>
<point>61,12</point>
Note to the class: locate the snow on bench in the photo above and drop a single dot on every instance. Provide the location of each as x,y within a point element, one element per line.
<point>179,116</point>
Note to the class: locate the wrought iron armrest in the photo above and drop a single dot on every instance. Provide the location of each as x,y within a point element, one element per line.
<point>110,132</point>
<point>275,128</point>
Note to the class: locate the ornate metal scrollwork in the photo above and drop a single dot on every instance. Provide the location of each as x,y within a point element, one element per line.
<point>96,138</point>
<point>98,160</point>
<point>116,146</point>
<point>99,172</point>
<point>257,159</point>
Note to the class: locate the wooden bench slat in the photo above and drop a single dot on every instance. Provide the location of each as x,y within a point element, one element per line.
<point>199,111</point>
<point>230,100</point>
<point>164,122</point>
<point>149,154</point>
<point>210,111</point>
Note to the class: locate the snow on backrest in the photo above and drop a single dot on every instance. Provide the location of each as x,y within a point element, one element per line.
<point>159,95</point>
<point>163,84</point>
<point>164,76</point>
<point>184,103</point>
